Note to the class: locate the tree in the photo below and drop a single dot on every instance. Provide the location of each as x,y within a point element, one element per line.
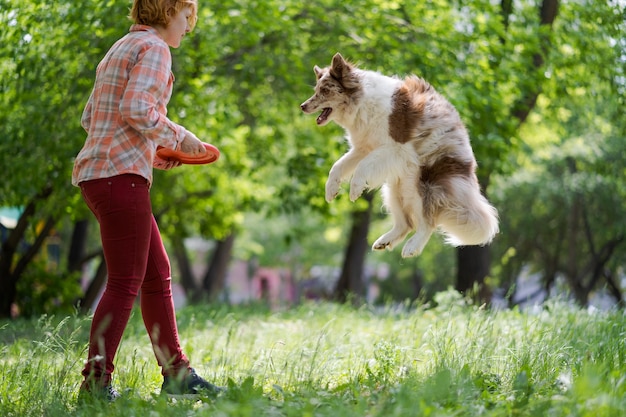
<point>579,207</point>
<point>10,272</point>
<point>473,263</point>
<point>469,52</point>
<point>572,183</point>
<point>350,284</point>
<point>239,80</point>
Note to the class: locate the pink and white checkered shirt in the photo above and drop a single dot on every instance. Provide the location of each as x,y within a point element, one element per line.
<point>126,115</point>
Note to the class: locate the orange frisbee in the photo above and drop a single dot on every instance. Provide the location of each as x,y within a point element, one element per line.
<point>211,155</point>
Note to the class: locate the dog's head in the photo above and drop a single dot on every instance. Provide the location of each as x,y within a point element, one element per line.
<point>337,86</point>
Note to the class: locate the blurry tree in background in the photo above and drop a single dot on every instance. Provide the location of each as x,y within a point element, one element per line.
<point>240,77</point>
<point>44,79</point>
<point>571,179</point>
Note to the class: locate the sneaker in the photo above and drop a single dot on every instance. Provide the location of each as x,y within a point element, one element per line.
<point>105,393</point>
<point>191,384</point>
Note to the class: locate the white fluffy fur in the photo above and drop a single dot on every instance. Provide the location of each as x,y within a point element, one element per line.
<point>363,103</point>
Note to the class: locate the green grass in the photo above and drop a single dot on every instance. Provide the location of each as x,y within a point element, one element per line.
<point>331,360</point>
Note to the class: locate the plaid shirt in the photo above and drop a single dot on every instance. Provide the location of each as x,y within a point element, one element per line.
<point>126,115</point>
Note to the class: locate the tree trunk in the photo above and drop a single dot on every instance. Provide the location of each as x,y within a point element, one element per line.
<point>614,289</point>
<point>184,268</point>
<point>473,267</point>
<point>10,271</point>
<point>77,246</point>
<point>350,284</point>
<point>473,261</point>
<point>598,270</point>
<point>215,277</point>
<point>8,294</point>
<point>574,218</point>
<point>417,283</point>
<point>528,98</point>
<point>95,287</point>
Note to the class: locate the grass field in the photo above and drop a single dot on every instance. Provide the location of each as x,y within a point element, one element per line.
<point>332,360</point>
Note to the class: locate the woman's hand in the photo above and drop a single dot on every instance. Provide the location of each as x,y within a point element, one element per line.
<point>160,163</point>
<point>192,145</point>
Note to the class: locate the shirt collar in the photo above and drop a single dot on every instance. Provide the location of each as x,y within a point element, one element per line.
<point>143,28</point>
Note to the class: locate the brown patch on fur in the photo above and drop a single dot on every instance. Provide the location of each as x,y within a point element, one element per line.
<point>446,167</point>
<point>409,103</point>
<point>433,182</point>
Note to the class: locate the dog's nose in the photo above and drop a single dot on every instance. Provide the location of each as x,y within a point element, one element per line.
<point>302,106</point>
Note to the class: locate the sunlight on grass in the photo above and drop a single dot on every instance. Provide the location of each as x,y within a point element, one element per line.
<point>332,360</point>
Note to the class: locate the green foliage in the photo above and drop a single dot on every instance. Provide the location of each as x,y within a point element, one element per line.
<point>47,62</point>
<point>331,360</point>
<point>242,73</point>
<point>43,291</point>
<point>571,180</point>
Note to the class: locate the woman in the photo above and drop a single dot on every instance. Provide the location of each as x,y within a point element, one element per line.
<point>125,119</point>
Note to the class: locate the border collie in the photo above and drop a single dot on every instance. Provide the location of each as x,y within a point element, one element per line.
<point>407,138</point>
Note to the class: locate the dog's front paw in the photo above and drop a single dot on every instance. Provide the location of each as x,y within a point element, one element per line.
<point>332,188</point>
<point>382,244</point>
<point>356,189</point>
<point>389,240</point>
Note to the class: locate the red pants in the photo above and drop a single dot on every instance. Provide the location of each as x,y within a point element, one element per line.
<point>136,260</point>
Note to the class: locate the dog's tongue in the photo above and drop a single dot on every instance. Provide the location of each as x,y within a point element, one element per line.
<point>324,116</point>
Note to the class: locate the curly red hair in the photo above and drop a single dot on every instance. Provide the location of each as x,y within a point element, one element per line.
<point>158,12</point>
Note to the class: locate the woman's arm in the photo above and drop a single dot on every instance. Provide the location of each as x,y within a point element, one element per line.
<point>143,104</point>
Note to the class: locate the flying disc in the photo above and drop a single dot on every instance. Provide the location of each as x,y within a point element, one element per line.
<point>211,155</point>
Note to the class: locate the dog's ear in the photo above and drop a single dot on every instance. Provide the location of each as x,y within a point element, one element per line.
<point>339,67</point>
<point>318,72</point>
<point>337,58</point>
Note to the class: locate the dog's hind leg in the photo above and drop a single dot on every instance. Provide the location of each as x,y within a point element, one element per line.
<point>423,224</point>
<point>415,245</point>
<point>401,225</point>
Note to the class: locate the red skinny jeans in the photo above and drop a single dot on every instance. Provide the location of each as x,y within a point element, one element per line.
<point>136,260</point>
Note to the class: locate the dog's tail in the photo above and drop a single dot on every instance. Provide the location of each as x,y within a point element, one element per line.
<point>476,223</point>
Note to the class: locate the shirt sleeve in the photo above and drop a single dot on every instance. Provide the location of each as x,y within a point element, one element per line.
<point>143,104</point>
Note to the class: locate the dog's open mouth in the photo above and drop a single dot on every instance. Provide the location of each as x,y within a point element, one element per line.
<point>323,117</point>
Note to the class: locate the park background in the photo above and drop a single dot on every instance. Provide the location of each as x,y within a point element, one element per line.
<point>539,84</point>
<point>531,325</point>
